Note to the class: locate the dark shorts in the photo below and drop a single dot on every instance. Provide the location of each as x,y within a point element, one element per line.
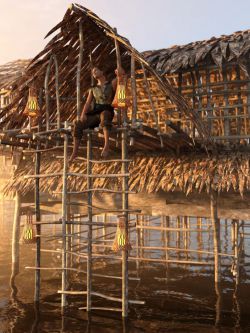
<point>101,115</point>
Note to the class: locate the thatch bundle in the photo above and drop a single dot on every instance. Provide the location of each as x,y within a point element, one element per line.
<point>147,174</point>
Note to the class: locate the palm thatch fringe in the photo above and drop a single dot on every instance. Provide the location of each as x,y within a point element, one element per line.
<point>217,51</point>
<point>147,174</point>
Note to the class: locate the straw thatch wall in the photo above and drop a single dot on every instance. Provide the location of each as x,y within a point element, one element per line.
<point>147,174</point>
<point>213,76</point>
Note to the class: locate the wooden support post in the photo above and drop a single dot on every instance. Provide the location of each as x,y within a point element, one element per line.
<point>185,226</point>
<point>134,95</point>
<point>167,235</point>
<point>47,92</point>
<point>147,88</point>
<point>38,226</point>
<point>64,217</point>
<point>216,228</point>
<point>236,252</point>
<point>16,236</point>
<point>235,244</point>
<point>138,244</point>
<point>70,240</point>
<point>209,105</point>
<point>218,304</point>
<point>134,91</point>
<point>125,208</point>
<point>226,113</point>
<point>199,235</point>
<point>118,64</point>
<point>192,127</point>
<point>239,109</point>
<point>78,74</point>
<point>90,218</point>
<point>180,80</point>
<point>104,230</point>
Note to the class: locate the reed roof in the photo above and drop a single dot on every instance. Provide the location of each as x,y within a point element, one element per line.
<point>10,71</point>
<point>216,50</point>
<point>99,41</point>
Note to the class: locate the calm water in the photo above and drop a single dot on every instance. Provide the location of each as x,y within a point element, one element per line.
<point>178,298</point>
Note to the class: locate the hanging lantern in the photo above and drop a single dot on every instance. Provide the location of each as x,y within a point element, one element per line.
<point>121,241</point>
<point>32,106</point>
<point>28,234</point>
<point>121,99</point>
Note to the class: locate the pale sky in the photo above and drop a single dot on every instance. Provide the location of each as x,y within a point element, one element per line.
<point>148,24</point>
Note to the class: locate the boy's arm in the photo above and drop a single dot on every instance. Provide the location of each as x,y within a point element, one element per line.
<point>120,75</point>
<point>86,105</point>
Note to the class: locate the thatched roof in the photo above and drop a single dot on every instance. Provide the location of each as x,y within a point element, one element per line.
<point>218,51</point>
<point>193,173</point>
<point>99,41</point>
<point>10,71</point>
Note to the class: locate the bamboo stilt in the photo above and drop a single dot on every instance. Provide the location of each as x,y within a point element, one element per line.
<point>125,214</point>
<point>78,74</point>
<point>38,227</point>
<point>216,227</point>
<point>64,217</point>
<point>90,216</point>
<point>16,235</point>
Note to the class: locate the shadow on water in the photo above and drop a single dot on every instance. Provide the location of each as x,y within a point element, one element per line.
<point>178,298</point>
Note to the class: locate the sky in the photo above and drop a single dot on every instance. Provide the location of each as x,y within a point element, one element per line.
<point>148,24</point>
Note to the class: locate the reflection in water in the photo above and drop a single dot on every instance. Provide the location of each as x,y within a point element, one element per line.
<point>218,304</point>
<point>173,261</point>
<point>16,306</point>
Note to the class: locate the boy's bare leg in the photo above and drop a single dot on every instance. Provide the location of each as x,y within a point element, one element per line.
<point>76,144</point>
<point>105,150</point>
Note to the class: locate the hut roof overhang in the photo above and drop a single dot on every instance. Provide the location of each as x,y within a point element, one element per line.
<point>193,173</point>
<point>214,51</point>
<point>11,71</point>
<point>99,42</point>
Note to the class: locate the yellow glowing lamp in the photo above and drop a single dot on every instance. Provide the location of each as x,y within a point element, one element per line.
<point>121,241</point>
<point>121,96</point>
<point>28,234</point>
<point>32,106</point>
<point>121,99</point>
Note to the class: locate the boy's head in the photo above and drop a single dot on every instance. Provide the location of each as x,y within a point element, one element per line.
<point>97,73</point>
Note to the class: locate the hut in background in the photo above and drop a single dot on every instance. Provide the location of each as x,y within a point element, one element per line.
<point>213,76</point>
<point>9,157</point>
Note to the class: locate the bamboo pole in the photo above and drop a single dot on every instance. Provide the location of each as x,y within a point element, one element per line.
<point>104,231</point>
<point>118,64</point>
<point>125,213</point>
<point>64,217</point>
<point>226,120</point>
<point>47,97</point>
<point>134,96</point>
<point>90,217</point>
<point>216,227</point>
<point>152,104</point>
<point>16,236</point>
<point>236,251</point>
<point>69,231</point>
<point>137,245</point>
<point>78,74</point>
<point>38,227</point>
